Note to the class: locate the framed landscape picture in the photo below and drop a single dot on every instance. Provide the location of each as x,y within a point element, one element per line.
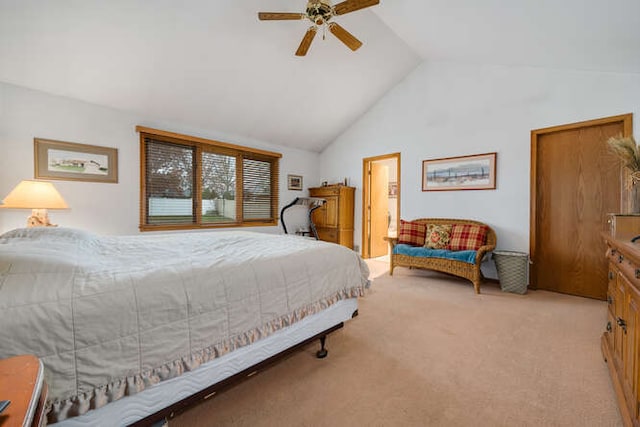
<point>74,162</point>
<point>476,172</point>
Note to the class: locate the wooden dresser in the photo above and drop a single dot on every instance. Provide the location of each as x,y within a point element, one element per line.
<point>334,220</point>
<point>621,340</point>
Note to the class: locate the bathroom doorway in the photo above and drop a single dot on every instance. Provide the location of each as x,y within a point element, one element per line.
<point>380,203</point>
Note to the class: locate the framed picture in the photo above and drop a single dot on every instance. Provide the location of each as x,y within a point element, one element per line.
<point>75,162</point>
<point>393,190</point>
<point>476,172</point>
<point>294,182</point>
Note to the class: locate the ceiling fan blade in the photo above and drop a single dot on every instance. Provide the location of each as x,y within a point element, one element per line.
<point>280,16</point>
<point>353,5</point>
<point>345,36</point>
<point>306,41</point>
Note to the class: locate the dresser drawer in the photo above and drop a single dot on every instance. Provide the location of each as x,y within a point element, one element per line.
<point>325,191</point>
<point>611,288</point>
<point>630,269</point>
<point>328,234</point>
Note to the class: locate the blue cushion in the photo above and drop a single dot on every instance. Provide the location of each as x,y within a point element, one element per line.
<point>464,256</point>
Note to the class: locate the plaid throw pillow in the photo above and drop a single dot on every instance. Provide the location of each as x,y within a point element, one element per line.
<point>412,233</point>
<point>467,237</point>
<point>438,236</point>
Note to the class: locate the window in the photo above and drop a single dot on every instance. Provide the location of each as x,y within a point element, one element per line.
<point>189,182</point>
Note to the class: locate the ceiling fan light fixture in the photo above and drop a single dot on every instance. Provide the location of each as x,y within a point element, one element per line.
<point>319,11</point>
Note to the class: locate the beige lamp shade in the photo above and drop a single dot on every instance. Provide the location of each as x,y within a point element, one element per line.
<point>34,195</point>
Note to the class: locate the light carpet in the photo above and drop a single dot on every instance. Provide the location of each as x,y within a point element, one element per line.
<point>427,351</point>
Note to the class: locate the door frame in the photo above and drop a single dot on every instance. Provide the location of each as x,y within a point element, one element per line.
<point>627,123</point>
<point>366,163</point>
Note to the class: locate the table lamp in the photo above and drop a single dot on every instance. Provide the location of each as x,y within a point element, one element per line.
<point>38,196</point>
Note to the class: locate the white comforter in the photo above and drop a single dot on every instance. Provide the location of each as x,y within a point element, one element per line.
<point>110,316</point>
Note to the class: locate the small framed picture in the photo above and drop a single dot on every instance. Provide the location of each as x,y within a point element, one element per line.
<point>393,190</point>
<point>294,182</point>
<point>74,162</point>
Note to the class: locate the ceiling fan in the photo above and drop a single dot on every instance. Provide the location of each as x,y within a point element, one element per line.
<point>320,13</point>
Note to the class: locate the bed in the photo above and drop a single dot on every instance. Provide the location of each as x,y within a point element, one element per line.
<point>132,327</point>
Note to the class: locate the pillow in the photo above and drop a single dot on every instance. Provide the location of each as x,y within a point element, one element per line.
<point>412,233</point>
<point>467,237</point>
<point>438,236</point>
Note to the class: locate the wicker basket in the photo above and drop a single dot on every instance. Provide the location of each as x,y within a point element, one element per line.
<point>512,270</point>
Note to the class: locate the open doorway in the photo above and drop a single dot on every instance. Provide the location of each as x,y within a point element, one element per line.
<point>380,203</point>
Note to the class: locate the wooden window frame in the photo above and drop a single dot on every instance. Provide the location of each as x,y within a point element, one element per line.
<point>202,144</point>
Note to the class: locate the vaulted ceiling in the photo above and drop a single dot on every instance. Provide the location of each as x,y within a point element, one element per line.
<point>213,65</point>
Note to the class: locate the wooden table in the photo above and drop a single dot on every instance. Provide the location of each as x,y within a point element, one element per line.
<point>22,382</point>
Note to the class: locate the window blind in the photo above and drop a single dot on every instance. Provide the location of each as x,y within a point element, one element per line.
<point>189,182</point>
<point>169,183</point>
<point>257,190</point>
<point>218,188</point>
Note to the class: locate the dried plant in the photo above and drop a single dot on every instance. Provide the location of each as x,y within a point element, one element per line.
<point>629,152</point>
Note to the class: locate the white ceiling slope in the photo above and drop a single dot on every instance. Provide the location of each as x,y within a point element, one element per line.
<point>208,64</point>
<point>575,34</point>
<point>212,64</point>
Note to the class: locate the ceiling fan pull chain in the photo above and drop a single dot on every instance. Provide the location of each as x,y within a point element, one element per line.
<point>324,31</point>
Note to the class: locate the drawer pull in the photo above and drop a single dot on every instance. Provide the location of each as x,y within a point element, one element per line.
<point>620,258</point>
<point>611,275</point>
<point>608,326</point>
<point>622,324</point>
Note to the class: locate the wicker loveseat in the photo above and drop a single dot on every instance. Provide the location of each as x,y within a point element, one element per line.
<point>465,265</point>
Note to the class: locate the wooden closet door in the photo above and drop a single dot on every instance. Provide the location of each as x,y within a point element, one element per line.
<point>576,181</point>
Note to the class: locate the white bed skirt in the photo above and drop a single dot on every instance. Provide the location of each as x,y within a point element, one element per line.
<point>134,408</point>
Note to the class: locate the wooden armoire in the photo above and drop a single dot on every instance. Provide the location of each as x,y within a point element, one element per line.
<point>334,220</point>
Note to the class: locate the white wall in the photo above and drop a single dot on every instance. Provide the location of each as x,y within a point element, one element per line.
<point>449,109</point>
<point>99,207</point>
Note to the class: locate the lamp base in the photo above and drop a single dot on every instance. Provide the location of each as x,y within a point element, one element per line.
<point>39,218</point>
